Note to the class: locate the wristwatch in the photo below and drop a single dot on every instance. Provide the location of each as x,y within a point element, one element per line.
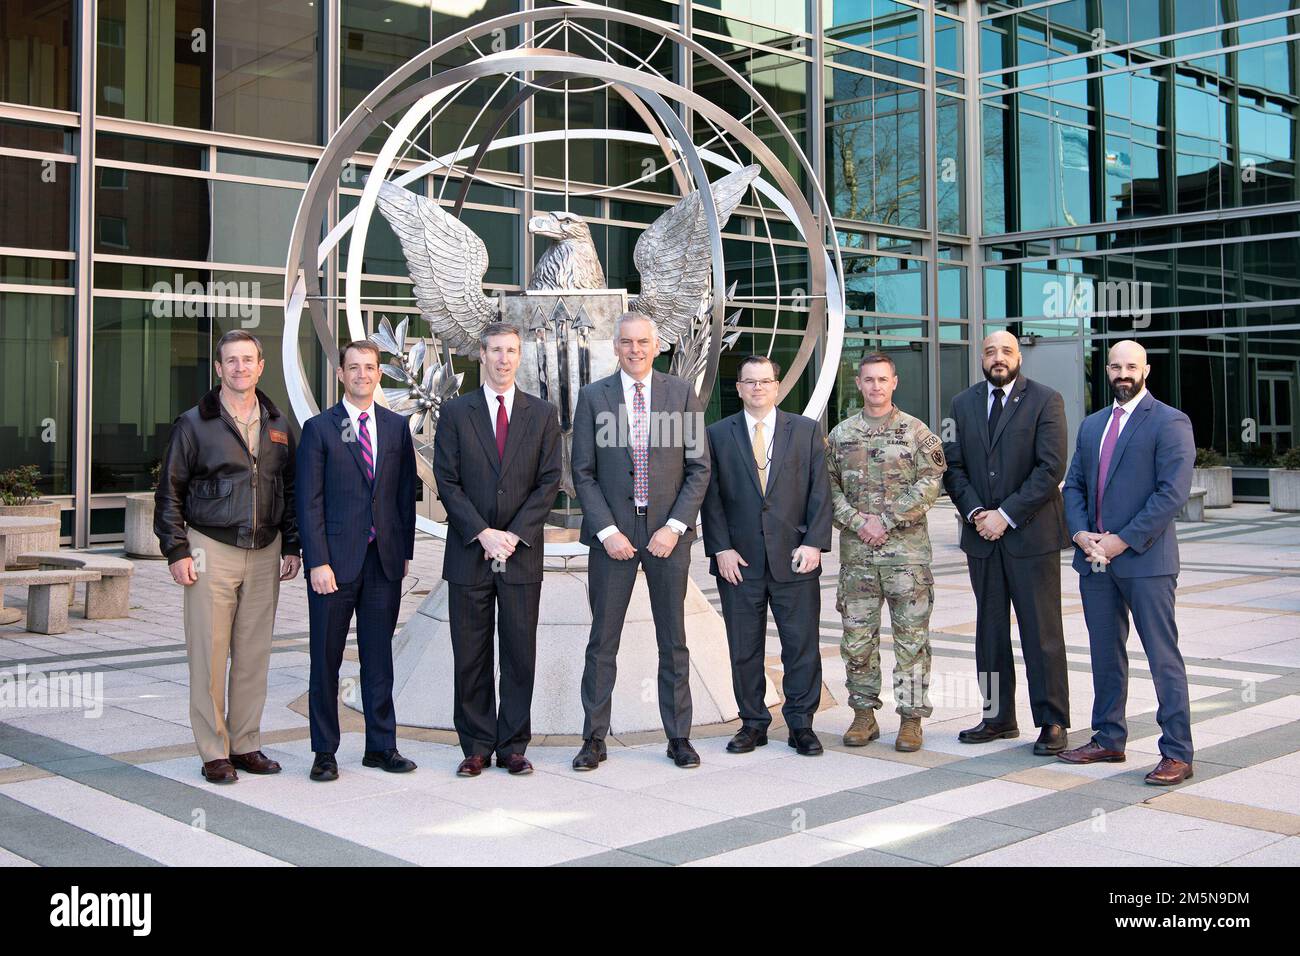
<point>675,531</point>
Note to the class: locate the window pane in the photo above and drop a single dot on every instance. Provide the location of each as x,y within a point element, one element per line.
<point>155,61</point>
<point>36,387</point>
<point>267,68</point>
<point>39,64</point>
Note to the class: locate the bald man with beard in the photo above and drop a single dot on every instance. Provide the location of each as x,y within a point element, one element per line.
<point>1131,475</point>
<point>1004,473</point>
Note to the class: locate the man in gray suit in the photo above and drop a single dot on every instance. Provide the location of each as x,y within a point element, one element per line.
<point>767,520</point>
<point>627,427</point>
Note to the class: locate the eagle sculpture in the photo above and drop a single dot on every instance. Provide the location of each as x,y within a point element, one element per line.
<point>571,262</point>
<point>447,261</point>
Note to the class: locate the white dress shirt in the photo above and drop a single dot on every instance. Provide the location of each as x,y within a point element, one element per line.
<point>629,396</point>
<point>491,397</point>
<point>988,412</point>
<point>1129,407</point>
<point>372,432</point>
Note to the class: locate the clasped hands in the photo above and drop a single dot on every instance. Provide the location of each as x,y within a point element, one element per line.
<point>1100,547</point>
<point>497,545</point>
<point>873,531</point>
<point>990,524</point>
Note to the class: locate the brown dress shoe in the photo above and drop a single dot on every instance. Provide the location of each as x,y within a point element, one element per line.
<point>515,763</point>
<point>1091,752</point>
<point>219,771</point>
<point>255,762</point>
<point>473,765</point>
<point>1169,772</point>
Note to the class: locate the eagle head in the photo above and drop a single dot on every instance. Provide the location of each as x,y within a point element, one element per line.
<point>571,262</point>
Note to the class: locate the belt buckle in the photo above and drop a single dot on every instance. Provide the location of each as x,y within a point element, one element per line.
<point>641,510</point>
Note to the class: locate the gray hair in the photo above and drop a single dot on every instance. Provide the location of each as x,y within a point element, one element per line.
<point>636,317</point>
<point>498,328</point>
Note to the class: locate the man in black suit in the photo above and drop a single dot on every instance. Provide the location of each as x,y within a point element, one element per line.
<point>496,458</point>
<point>767,519</point>
<point>1004,475</point>
<point>356,502</point>
<point>632,426</point>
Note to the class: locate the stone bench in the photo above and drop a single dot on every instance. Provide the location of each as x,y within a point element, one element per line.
<point>1194,510</point>
<point>47,596</point>
<point>107,597</point>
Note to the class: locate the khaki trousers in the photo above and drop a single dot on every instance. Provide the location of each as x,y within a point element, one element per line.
<point>229,614</point>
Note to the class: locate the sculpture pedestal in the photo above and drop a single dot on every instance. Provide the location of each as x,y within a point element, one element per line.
<point>422,662</point>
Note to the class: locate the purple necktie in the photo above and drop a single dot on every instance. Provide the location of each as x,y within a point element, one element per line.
<point>640,446</point>
<point>1107,450</point>
<point>368,454</point>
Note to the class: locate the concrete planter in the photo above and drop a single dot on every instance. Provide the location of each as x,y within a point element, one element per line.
<point>17,544</point>
<point>1284,489</point>
<point>140,539</point>
<point>1217,482</point>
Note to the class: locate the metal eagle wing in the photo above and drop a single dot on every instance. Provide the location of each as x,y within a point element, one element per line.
<point>674,259</point>
<point>447,261</point>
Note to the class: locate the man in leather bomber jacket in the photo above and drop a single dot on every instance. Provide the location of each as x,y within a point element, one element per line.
<point>225,521</point>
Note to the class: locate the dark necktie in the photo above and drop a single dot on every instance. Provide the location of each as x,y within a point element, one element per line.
<point>368,455</point>
<point>503,426</point>
<point>995,413</point>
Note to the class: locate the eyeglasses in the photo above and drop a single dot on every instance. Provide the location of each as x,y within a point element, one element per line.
<point>755,382</point>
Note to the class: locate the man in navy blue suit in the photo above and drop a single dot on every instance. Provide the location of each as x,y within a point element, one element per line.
<point>356,495</point>
<point>1131,475</point>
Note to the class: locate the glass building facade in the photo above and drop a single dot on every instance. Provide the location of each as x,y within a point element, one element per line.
<point>1077,171</point>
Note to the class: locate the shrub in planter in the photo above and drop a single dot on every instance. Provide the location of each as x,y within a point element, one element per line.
<point>1212,473</point>
<point>20,497</point>
<point>1284,483</point>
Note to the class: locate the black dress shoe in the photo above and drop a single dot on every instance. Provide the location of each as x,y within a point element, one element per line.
<point>983,732</point>
<point>1051,740</point>
<point>805,741</point>
<point>746,739</point>
<point>591,754</point>
<point>325,767</point>
<point>682,753</point>
<point>389,760</point>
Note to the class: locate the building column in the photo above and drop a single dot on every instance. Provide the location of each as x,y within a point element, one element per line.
<point>82,359</point>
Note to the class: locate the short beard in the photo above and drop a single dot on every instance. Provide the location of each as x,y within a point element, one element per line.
<point>1007,376</point>
<point>1124,393</point>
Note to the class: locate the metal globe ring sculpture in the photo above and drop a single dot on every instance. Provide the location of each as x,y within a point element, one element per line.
<point>647,92</point>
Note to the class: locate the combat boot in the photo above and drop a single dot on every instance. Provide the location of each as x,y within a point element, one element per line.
<point>863,730</point>
<point>909,735</point>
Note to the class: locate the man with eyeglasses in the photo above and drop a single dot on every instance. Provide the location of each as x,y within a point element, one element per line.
<point>767,519</point>
<point>1130,477</point>
<point>886,471</point>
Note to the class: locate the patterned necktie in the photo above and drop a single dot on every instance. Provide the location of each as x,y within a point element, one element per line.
<point>640,447</point>
<point>995,412</point>
<point>1107,450</point>
<point>503,426</point>
<point>760,456</point>
<point>368,455</point>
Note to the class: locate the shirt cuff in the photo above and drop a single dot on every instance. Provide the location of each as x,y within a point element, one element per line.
<point>604,533</point>
<point>972,514</point>
<point>1007,517</point>
<point>676,525</point>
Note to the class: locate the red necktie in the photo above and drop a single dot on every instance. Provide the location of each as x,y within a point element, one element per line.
<point>503,426</point>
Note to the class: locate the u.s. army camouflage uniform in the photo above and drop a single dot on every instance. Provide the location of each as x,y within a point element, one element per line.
<point>894,470</point>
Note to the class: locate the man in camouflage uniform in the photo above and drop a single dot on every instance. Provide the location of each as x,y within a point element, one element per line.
<point>886,471</point>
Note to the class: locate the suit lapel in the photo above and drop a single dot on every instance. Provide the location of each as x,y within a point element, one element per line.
<point>741,431</point>
<point>617,406</point>
<point>1139,417</point>
<point>1009,409</point>
<point>979,410</point>
<point>350,440</point>
<point>519,420</point>
<point>780,443</point>
<point>478,416</point>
